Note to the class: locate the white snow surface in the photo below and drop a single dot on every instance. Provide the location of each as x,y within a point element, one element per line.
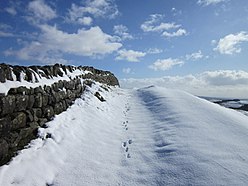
<point>150,136</point>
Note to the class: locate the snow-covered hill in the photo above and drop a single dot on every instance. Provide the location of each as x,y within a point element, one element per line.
<point>149,136</point>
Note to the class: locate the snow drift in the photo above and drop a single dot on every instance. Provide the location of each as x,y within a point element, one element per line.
<point>149,136</point>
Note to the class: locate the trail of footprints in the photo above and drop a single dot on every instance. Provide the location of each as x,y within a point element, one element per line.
<point>128,142</point>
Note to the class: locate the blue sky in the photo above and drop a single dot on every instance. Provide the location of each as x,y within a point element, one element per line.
<point>132,38</point>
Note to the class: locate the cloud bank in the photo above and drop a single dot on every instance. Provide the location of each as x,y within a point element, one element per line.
<point>223,83</point>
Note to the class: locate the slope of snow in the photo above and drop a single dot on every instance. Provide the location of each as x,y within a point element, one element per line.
<point>149,136</point>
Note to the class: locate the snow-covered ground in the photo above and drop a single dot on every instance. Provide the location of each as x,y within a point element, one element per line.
<point>149,136</point>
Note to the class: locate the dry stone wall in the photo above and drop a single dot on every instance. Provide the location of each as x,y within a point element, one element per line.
<point>23,110</point>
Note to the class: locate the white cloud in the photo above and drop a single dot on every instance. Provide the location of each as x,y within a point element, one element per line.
<point>6,30</point>
<point>230,43</point>
<point>41,11</point>
<point>209,2</point>
<point>54,42</point>
<point>155,24</point>
<point>195,56</point>
<point>95,8</point>
<point>154,51</point>
<point>179,32</point>
<point>6,34</point>
<point>130,55</point>
<point>126,70</point>
<point>11,10</point>
<point>122,31</point>
<point>225,77</point>
<point>85,20</point>
<point>222,83</point>
<point>165,64</point>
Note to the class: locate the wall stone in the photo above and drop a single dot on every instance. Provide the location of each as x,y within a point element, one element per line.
<point>23,110</point>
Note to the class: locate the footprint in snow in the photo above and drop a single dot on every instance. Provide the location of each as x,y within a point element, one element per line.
<point>127,149</point>
<point>128,155</point>
<point>124,144</point>
<point>130,141</point>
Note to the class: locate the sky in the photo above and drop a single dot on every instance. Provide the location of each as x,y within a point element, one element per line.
<point>195,42</point>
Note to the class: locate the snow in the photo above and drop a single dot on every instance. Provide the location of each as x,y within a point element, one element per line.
<point>149,136</point>
<point>4,87</point>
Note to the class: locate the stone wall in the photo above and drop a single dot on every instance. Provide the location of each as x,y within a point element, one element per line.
<point>23,110</point>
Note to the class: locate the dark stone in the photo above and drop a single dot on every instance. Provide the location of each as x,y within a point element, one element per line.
<point>51,99</point>
<point>23,90</point>
<point>17,71</point>
<point>44,100</point>
<point>69,85</point>
<point>2,75</point>
<point>98,95</point>
<point>48,112</point>
<point>68,102</point>
<point>38,90</point>
<point>37,113</point>
<point>7,71</point>
<point>30,75</point>
<point>58,108</point>
<point>47,89</point>
<point>8,103</point>
<point>19,120</point>
<point>42,122</point>
<point>31,101</point>
<point>38,100</point>
<point>21,102</point>
<point>60,84</point>
<point>4,148</point>
<point>31,91</point>
<point>33,124</point>
<point>30,117</point>
<point>55,87</point>
<point>12,91</point>
<point>26,135</point>
<point>88,83</point>
<point>5,125</point>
